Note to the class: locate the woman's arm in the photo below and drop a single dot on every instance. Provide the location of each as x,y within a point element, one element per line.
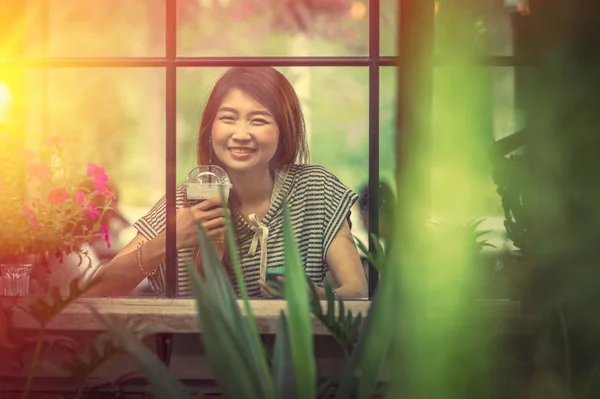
<point>344,261</point>
<point>123,273</point>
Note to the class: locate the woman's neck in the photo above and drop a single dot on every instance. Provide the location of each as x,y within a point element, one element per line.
<point>252,189</point>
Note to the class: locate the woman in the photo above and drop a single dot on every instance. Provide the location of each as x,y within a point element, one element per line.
<point>253,127</point>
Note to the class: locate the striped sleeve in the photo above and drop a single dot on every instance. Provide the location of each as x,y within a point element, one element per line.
<point>152,224</point>
<point>338,201</point>
<point>155,221</point>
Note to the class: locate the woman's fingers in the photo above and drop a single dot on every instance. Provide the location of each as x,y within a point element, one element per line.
<point>201,215</point>
<point>213,223</point>
<point>264,293</point>
<point>207,204</point>
<point>266,290</point>
<point>210,208</point>
<point>219,233</point>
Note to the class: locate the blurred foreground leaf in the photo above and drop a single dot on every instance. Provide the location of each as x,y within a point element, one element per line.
<point>298,313</point>
<point>162,381</point>
<point>230,347</point>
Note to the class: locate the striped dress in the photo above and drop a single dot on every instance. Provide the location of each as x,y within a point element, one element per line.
<point>318,203</point>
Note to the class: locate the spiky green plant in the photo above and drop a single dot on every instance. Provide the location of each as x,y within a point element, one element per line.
<point>375,257</point>
<point>233,345</point>
<point>468,232</point>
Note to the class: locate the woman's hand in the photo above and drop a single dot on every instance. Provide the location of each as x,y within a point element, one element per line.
<point>269,291</point>
<point>210,214</point>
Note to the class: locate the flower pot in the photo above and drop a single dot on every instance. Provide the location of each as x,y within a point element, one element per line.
<point>14,279</point>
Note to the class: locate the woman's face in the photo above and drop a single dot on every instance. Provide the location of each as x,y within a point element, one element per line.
<point>244,133</point>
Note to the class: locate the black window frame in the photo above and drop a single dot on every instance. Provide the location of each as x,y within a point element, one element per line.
<point>409,57</point>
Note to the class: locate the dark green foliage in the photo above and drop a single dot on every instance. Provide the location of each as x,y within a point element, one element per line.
<point>282,366</point>
<point>102,348</point>
<point>44,309</point>
<point>466,233</point>
<point>234,349</point>
<point>164,384</point>
<point>376,258</point>
<point>343,325</point>
<point>547,177</point>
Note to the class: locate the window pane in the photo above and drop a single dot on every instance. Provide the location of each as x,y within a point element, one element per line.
<point>106,28</point>
<point>387,148</point>
<point>490,23</point>
<point>482,102</point>
<point>497,116</point>
<point>388,25</point>
<point>272,28</point>
<point>388,94</point>
<point>335,104</point>
<point>113,118</point>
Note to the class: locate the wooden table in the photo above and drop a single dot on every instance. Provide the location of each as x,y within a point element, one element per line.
<point>165,315</point>
<point>179,315</point>
<point>178,344</point>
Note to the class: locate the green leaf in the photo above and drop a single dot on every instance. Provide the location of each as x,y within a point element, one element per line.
<point>163,383</point>
<point>342,320</point>
<point>343,327</point>
<point>366,362</point>
<point>241,282</point>
<point>283,365</point>
<point>45,309</point>
<point>375,258</point>
<point>298,310</point>
<point>230,346</point>
<point>315,303</point>
<point>326,388</point>
<point>330,316</point>
<point>99,350</point>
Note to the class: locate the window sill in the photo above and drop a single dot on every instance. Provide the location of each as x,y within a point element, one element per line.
<point>179,315</point>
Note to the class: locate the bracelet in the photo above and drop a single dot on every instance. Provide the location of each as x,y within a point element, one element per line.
<point>141,264</point>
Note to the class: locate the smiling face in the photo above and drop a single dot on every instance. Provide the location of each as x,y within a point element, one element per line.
<point>244,134</point>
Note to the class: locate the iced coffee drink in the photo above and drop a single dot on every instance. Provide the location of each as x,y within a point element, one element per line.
<point>206,181</point>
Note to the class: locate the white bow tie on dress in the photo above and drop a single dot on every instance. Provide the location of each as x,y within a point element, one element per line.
<point>261,234</point>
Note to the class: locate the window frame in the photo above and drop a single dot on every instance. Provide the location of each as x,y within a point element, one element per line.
<point>171,62</point>
<point>408,11</point>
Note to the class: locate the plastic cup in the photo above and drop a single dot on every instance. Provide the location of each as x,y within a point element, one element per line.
<point>206,181</point>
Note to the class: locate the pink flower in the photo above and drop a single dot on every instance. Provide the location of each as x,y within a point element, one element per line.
<point>97,173</point>
<point>101,188</point>
<point>105,232</point>
<point>100,178</point>
<point>80,197</point>
<point>39,170</point>
<point>31,218</point>
<point>58,195</point>
<point>93,213</point>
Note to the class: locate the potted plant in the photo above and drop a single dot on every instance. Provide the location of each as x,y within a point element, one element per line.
<point>546,176</point>
<point>49,212</point>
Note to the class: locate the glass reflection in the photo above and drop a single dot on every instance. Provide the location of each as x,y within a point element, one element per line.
<point>336,116</point>
<point>272,28</point>
<point>129,28</point>
<point>114,120</point>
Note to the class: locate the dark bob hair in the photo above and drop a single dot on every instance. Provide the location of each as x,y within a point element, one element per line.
<point>271,89</point>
